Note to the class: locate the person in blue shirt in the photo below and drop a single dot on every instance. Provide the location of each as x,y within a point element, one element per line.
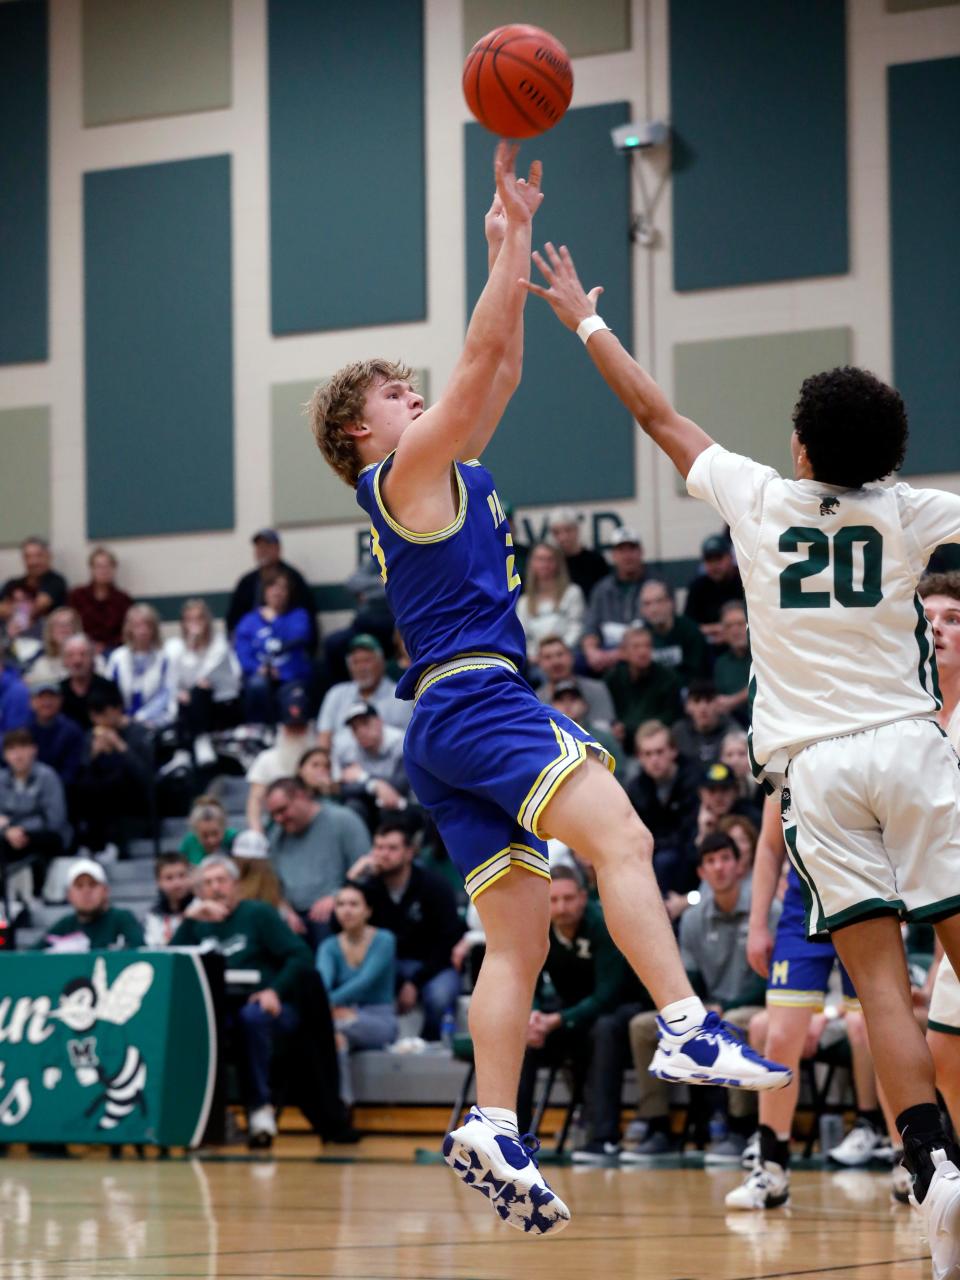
<point>59,740</point>
<point>358,969</point>
<point>273,644</point>
<point>14,695</point>
<point>497,769</point>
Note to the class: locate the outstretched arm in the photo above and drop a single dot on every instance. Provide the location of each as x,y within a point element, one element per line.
<point>680,438</point>
<point>420,471</point>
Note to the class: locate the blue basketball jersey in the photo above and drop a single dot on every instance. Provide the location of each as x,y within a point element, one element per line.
<point>453,591</point>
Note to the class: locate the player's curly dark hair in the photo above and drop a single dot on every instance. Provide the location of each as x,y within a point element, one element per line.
<point>852,425</point>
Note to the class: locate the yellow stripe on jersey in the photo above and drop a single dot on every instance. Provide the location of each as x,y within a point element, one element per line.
<point>785,999</point>
<point>422,538</point>
<point>462,662</point>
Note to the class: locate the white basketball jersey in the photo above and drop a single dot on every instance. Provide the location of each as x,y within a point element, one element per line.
<point>838,635</point>
<point>953,728</point>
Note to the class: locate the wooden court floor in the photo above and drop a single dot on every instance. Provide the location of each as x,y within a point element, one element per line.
<point>390,1219</point>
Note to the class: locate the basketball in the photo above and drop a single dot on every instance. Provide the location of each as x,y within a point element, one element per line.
<point>518,81</point>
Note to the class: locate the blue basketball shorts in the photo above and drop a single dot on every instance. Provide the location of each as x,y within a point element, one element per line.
<point>800,970</point>
<point>485,757</point>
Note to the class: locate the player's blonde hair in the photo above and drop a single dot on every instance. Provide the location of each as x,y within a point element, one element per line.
<point>340,401</point>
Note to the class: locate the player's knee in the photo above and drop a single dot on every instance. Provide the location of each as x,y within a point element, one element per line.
<point>856,1027</point>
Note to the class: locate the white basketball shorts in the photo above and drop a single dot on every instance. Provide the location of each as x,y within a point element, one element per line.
<point>945,1000</point>
<point>872,824</point>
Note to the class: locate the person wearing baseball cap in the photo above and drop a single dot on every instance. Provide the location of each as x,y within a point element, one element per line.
<point>248,592</point>
<point>367,761</point>
<point>585,566</point>
<point>295,735</point>
<point>710,590</point>
<point>59,739</point>
<point>614,602</point>
<point>568,697</point>
<point>92,925</point>
<point>368,682</point>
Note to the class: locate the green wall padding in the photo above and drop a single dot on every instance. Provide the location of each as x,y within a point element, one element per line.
<point>142,58</point>
<point>347,179</point>
<point>924,124</point>
<point>23,182</point>
<point>25,474</point>
<point>602,26</point>
<point>159,348</point>
<point>742,390</point>
<point>758,112</point>
<point>564,436</point>
<point>305,490</point>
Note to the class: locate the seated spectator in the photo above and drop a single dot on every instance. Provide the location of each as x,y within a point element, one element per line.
<point>101,604</point>
<point>59,740</point>
<point>14,694</point>
<point>258,880</point>
<point>641,689</point>
<point>79,658</point>
<point>731,671</point>
<point>677,642</point>
<point>273,644</point>
<point>368,683</point>
<point>614,603</point>
<point>584,566</point>
<point>556,662</point>
<point>315,771</point>
<point>372,617</point>
<point>26,601</point>
<point>33,809</point>
<point>367,763</point>
<point>357,966</point>
<point>204,677</point>
<point>115,777</point>
<point>713,936</point>
<point>174,894</point>
<point>419,909</point>
<point>208,831</point>
<point>664,794</point>
<point>568,698</point>
<point>702,730</point>
<point>745,833</point>
<point>140,669</point>
<point>251,935</point>
<point>549,604</point>
<point>312,846</point>
<point>294,737</point>
<point>587,974</point>
<point>92,925</point>
<point>248,594</point>
<point>58,627</point>
<point>710,590</point>
<point>735,754</point>
<point>719,795</point>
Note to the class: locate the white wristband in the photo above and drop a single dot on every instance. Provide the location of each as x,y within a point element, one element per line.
<point>590,326</point>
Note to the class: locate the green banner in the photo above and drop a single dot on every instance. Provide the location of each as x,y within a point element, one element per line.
<point>105,1046</point>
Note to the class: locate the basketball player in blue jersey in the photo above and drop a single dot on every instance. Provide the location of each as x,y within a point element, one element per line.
<point>496,768</point>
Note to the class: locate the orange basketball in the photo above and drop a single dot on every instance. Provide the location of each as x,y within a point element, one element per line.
<point>518,81</point>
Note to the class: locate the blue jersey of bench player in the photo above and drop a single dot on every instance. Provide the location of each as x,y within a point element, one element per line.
<point>800,969</point>
<point>482,753</point>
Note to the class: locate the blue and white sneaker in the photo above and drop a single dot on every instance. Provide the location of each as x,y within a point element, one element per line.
<point>503,1169</point>
<point>714,1054</point>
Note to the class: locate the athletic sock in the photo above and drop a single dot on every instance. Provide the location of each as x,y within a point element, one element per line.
<point>774,1150</point>
<point>683,1016</point>
<point>500,1118</point>
<point>922,1131</point>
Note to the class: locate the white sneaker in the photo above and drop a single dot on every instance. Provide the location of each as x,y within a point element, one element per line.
<point>767,1186</point>
<point>203,751</point>
<point>751,1152</point>
<point>858,1147</point>
<point>941,1217</point>
<point>502,1168</point>
<point>262,1122</point>
<point>714,1054</point>
<point>901,1183</point>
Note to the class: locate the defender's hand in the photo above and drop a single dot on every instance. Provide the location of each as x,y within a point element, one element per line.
<point>564,291</point>
<point>520,198</point>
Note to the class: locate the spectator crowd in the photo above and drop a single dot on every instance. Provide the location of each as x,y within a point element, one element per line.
<point>336,880</point>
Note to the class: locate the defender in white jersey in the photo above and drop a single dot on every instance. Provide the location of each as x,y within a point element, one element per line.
<point>844,693</point>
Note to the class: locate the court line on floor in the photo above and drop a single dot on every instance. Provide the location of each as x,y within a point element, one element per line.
<point>842,1266</point>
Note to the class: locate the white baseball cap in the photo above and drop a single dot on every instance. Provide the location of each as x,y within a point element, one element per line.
<point>86,867</point>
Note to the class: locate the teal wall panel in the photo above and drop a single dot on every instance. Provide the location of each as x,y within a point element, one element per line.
<point>347,182</point>
<point>564,436</point>
<point>758,111</point>
<point>159,348</point>
<point>23,182</point>
<point>924,124</point>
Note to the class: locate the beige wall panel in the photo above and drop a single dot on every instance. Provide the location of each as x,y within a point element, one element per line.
<point>25,474</point>
<point>602,26</point>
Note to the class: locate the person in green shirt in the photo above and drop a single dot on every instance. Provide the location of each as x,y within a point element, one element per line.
<point>678,643</point>
<point>731,673</point>
<point>641,688</point>
<point>249,935</point>
<point>92,925</point>
<point>208,832</point>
